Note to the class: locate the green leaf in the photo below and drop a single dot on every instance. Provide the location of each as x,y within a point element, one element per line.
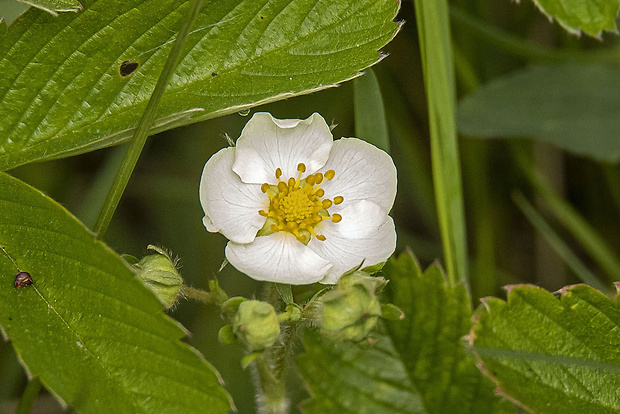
<point>95,336</point>
<point>65,87</point>
<point>571,106</point>
<point>370,120</point>
<point>553,355</point>
<point>54,7</point>
<point>430,339</point>
<point>356,378</point>
<point>420,365</point>
<point>576,16</point>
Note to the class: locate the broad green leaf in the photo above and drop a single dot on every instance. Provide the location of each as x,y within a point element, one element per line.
<point>55,6</point>
<point>576,16</point>
<point>572,106</point>
<point>370,120</point>
<point>356,378</point>
<point>65,87</point>
<point>554,355</point>
<point>95,336</point>
<point>420,365</point>
<point>430,339</point>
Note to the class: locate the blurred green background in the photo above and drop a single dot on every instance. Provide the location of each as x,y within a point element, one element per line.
<point>161,204</point>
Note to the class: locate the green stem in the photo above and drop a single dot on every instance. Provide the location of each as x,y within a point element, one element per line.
<point>198,294</point>
<point>270,374</point>
<point>144,126</point>
<point>30,394</point>
<point>270,367</point>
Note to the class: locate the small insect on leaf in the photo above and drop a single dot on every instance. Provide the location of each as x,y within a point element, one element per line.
<point>23,279</point>
<point>127,68</point>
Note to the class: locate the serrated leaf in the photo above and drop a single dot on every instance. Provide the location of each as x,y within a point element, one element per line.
<point>424,353</point>
<point>63,91</point>
<point>574,107</point>
<point>553,355</point>
<point>576,16</point>
<point>430,339</point>
<point>54,7</point>
<point>356,378</point>
<point>95,336</point>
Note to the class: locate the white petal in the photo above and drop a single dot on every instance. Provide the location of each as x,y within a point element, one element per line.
<point>366,236</point>
<point>230,205</point>
<point>363,172</point>
<point>280,258</point>
<point>267,143</point>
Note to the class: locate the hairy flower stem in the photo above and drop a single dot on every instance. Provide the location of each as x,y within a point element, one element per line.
<point>199,295</point>
<point>270,367</point>
<point>270,374</point>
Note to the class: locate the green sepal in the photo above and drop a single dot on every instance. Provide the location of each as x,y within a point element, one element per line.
<point>218,293</point>
<point>248,359</point>
<point>392,312</point>
<point>230,306</point>
<point>226,335</point>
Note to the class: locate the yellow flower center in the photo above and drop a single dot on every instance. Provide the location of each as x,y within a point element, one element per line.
<point>297,205</point>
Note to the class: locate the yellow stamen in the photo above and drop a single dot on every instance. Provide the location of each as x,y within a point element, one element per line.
<point>297,206</point>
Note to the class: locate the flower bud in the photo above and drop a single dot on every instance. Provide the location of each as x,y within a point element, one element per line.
<point>158,272</point>
<point>351,310</point>
<point>257,324</point>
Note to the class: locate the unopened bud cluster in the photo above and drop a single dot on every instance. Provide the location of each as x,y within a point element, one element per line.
<point>352,309</point>
<point>257,324</point>
<point>159,273</point>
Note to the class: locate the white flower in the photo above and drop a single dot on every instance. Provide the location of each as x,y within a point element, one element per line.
<point>297,206</point>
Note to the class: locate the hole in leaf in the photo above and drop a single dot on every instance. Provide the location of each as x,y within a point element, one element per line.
<point>127,68</point>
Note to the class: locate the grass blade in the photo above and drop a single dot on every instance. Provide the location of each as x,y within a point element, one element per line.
<point>435,45</point>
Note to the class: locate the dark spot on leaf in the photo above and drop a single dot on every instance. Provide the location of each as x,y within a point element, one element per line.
<point>213,74</point>
<point>127,68</point>
<point>23,279</point>
<point>261,17</point>
<point>10,318</point>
